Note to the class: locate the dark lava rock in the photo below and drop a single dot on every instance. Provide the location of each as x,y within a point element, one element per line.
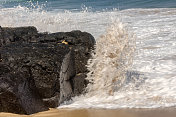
<point>30,64</point>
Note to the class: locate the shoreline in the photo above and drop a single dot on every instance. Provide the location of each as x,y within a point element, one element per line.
<point>155,112</point>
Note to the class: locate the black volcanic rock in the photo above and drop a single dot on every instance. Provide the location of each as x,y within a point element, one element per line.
<point>30,64</point>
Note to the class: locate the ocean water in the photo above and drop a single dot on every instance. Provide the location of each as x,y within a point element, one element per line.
<point>135,61</point>
<point>93,4</point>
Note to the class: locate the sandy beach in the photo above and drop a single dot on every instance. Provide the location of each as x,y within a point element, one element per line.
<point>162,112</point>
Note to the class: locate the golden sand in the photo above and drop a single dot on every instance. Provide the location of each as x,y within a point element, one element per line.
<point>165,112</point>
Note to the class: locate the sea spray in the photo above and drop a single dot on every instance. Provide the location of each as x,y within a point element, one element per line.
<point>111,59</point>
<point>155,30</point>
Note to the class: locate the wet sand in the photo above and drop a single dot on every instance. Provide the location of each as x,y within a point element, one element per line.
<point>161,112</point>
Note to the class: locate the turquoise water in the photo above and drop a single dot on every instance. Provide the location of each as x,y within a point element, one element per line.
<point>92,4</point>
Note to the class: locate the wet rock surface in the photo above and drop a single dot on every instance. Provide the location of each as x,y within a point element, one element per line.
<point>30,65</point>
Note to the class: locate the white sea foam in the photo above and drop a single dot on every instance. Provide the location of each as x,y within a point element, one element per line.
<point>151,81</point>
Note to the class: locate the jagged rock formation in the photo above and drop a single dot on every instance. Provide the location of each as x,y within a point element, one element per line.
<point>30,64</point>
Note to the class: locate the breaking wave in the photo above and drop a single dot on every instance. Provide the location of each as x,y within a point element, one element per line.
<point>150,83</point>
<point>112,58</point>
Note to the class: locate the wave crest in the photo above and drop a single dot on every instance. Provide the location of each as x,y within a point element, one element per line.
<point>112,58</point>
